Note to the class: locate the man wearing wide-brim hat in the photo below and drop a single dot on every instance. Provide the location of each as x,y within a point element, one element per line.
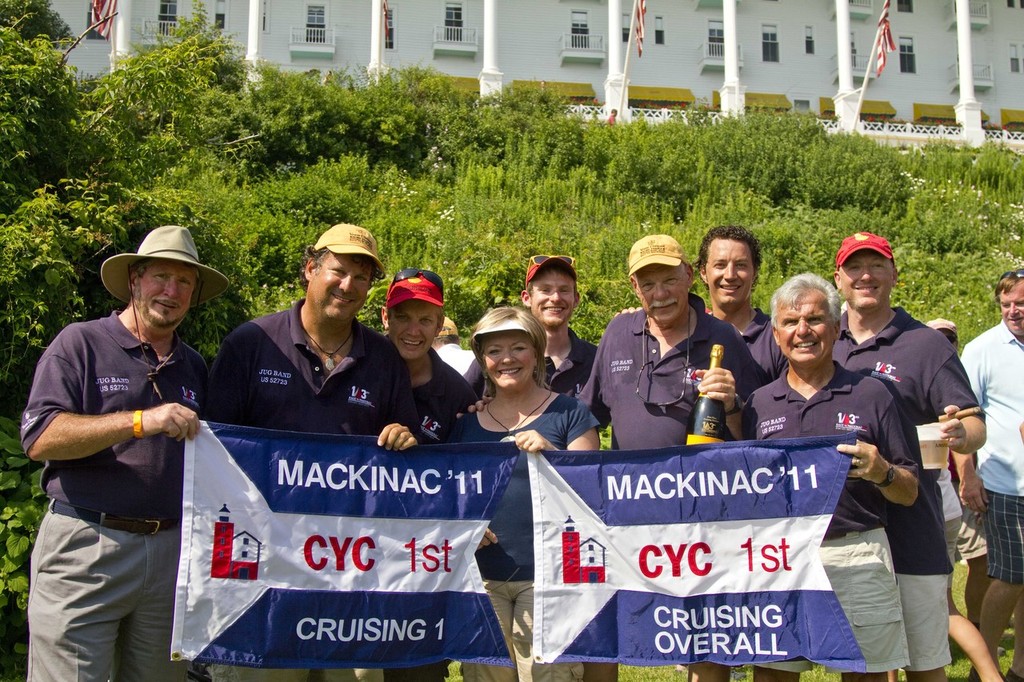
<point>111,402</point>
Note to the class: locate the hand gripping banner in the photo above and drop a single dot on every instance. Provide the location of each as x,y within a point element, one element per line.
<point>679,555</point>
<point>317,551</point>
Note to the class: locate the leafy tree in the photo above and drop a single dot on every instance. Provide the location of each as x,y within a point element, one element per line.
<point>33,18</point>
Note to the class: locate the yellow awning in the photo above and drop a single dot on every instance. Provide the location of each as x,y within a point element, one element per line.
<point>942,112</point>
<point>872,107</point>
<point>1011,116</point>
<point>939,112</point>
<point>562,88</point>
<point>767,100</point>
<point>653,94</point>
<point>466,84</point>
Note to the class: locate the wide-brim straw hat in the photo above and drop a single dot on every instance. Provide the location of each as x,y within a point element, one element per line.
<point>169,242</point>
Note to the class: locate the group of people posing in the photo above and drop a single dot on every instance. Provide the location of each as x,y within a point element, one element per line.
<point>113,399</point>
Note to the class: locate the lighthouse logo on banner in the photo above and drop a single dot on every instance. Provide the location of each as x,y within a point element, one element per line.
<point>688,554</point>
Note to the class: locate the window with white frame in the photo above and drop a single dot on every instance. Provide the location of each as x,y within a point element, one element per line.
<point>1016,52</point>
<point>904,5</point>
<point>580,29</point>
<point>802,105</point>
<point>316,23</point>
<point>769,43</point>
<point>389,29</point>
<point>167,16</point>
<point>453,22</point>
<point>625,28</point>
<point>808,40</point>
<point>908,62</point>
<point>265,16</point>
<point>659,30</point>
<point>716,39</point>
<point>220,13</point>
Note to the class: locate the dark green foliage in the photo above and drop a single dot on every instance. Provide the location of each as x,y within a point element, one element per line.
<point>33,19</point>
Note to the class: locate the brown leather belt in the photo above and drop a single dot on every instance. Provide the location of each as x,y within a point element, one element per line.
<point>140,526</point>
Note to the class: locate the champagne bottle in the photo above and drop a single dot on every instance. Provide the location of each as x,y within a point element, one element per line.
<point>707,420</point>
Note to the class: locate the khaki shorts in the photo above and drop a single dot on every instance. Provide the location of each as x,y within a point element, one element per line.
<point>971,542</point>
<point>859,566</point>
<point>925,620</point>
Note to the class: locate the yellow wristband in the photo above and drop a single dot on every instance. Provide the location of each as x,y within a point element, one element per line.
<point>137,424</point>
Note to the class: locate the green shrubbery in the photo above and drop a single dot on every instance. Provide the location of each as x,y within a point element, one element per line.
<point>470,188</point>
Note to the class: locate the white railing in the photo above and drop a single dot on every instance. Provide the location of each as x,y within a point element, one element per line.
<point>981,72</point>
<point>162,27</point>
<point>312,35</point>
<point>884,131</point>
<point>861,4</point>
<point>716,51</point>
<point>979,9</point>
<point>455,34</point>
<point>582,41</point>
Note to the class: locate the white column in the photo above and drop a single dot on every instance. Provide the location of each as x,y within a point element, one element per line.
<point>252,47</point>
<point>613,82</point>
<point>968,110</point>
<point>376,38</point>
<point>122,33</point>
<point>733,97</point>
<point>490,76</point>
<point>846,99</point>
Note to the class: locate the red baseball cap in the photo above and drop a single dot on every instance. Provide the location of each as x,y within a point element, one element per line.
<point>862,240</point>
<point>417,288</point>
<point>567,263</point>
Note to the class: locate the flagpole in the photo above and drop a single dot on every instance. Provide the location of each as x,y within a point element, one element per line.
<point>625,66</point>
<point>867,76</point>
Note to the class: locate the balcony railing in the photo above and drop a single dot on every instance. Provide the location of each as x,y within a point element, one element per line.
<point>585,48</point>
<point>982,74</point>
<point>312,35</point>
<point>455,41</point>
<point>158,29</point>
<point>455,34</point>
<point>711,55</point>
<point>978,9</point>
<point>582,41</point>
<point>312,42</point>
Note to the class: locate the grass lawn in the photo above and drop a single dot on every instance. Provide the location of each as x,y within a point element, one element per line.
<point>957,671</point>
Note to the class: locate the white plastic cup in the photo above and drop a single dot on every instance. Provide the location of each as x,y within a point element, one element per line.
<point>934,450</point>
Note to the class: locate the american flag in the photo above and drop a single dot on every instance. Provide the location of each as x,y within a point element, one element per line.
<point>885,42</point>
<point>641,10</point>
<point>101,9</point>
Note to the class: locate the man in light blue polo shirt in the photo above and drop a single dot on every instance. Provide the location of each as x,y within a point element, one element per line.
<point>995,365</point>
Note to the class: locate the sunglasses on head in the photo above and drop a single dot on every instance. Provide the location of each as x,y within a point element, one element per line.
<point>1011,273</point>
<point>540,260</point>
<point>428,275</point>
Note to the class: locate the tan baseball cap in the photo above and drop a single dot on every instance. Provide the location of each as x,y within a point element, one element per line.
<point>655,249</point>
<point>350,239</point>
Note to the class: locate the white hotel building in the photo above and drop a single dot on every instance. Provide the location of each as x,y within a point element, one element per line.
<point>959,62</point>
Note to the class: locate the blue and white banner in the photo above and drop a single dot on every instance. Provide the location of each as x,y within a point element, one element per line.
<point>679,555</point>
<point>317,551</point>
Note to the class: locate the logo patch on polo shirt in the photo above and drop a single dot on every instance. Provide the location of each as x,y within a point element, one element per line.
<point>771,425</point>
<point>848,421</point>
<point>886,372</point>
<point>429,427</point>
<point>189,396</point>
<point>360,396</point>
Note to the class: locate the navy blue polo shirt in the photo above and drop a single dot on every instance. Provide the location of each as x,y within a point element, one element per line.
<point>98,367</point>
<point>629,354</point>
<point>763,348</point>
<point>440,401</point>
<point>923,373</point>
<point>568,379</point>
<point>564,420</point>
<point>266,376</point>
<point>849,402</point>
